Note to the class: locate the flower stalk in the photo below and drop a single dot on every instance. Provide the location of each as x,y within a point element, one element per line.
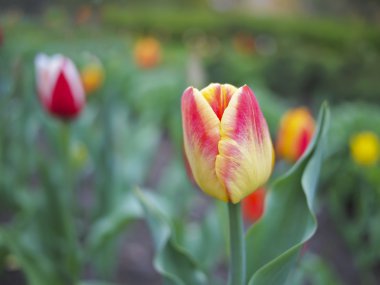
<point>237,245</point>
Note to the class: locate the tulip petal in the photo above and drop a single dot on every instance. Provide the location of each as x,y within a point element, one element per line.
<point>73,77</point>
<point>201,137</point>
<point>46,73</point>
<point>218,96</point>
<point>245,157</point>
<point>63,101</point>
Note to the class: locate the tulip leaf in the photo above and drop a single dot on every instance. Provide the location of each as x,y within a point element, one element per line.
<point>111,225</point>
<point>273,243</point>
<point>172,261</point>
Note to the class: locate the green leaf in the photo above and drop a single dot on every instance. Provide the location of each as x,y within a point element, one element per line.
<point>205,240</point>
<point>289,220</point>
<point>110,226</point>
<point>172,261</point>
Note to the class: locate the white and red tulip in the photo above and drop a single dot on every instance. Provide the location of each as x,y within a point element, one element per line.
<point>59,86</point>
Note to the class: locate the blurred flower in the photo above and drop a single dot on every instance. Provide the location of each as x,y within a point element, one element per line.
<point>244,43</point>
<point>79,154</point>
<point>365,148</point>
<point>226,140</point>
<point>92,75</point>
<point>147,52</point>
<point>83,14</point>
<point>295,132</point>
<point>59,86</point>
<point>253,205</point>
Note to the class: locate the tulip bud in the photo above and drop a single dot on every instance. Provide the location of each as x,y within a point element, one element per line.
<point>92,75</point>
<point>59,86</point>
<point>253,206</point>
<point>147,52</point>
<point>295,132</point>
<point>365,148</point>
<point>226,140</point>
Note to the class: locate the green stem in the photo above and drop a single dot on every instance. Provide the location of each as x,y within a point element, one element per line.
<point>237,245</point>
<point>68,205</point>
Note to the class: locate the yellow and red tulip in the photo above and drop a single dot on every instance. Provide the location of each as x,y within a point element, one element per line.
<point>365,148</point>
<point>295,132</point>
<point>147,52</point>
<point>226,140</point>
<point>92,75</point>
<point>253,205</point>
<point>59,86</point>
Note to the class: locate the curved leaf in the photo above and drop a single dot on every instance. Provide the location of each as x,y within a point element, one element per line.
<point>289,220</point>
<point>172,261</point>
<point>110,226</point>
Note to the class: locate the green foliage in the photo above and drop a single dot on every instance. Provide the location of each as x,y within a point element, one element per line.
<point>272,244</point>
<point>315,271</point>
<point>178,21</point>
<point>352,198</point>
<point>289,221</point>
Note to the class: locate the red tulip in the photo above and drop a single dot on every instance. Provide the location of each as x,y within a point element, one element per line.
<point>59,86</point>
<point>253,206</point>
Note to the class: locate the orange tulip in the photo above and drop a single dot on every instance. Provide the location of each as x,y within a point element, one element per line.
<point>253,206</point>
<point>147,52</point>
<point>92,75</point>
<point>226,140</point>
<point>295,132</point>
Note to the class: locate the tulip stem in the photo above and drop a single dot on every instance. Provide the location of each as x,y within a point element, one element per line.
<point>67,208</point>
<point>237,245</point>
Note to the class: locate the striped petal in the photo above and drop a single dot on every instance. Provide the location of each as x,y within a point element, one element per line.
<point>201,137</point>
<point>244,162</point>
<point>218,96</point>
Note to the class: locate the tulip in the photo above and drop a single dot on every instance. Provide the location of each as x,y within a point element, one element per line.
<point>59,86</point>
<point>365,148</point>
<point>226,140</point>
<point>147,52</point>
<point>253,206</point>
<point>92,76</point>
<point>295,132</point>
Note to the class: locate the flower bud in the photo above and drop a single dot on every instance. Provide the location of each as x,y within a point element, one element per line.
<point>365,148</point>
<point>147,52</point>
<point>253,205</point>
<point>92,75</point>
<point>59,86</point>
<point>295,132</point>
<point>226,140</point>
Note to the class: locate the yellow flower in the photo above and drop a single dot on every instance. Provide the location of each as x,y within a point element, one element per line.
<point>147,52</point>
<point>295,132</point>
<point>226,140</point>
<point>364,148</point>
<point>92,76</point>
<point>79,154</point>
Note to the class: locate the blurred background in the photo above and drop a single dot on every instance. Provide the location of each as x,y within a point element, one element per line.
<point>135,59</point>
